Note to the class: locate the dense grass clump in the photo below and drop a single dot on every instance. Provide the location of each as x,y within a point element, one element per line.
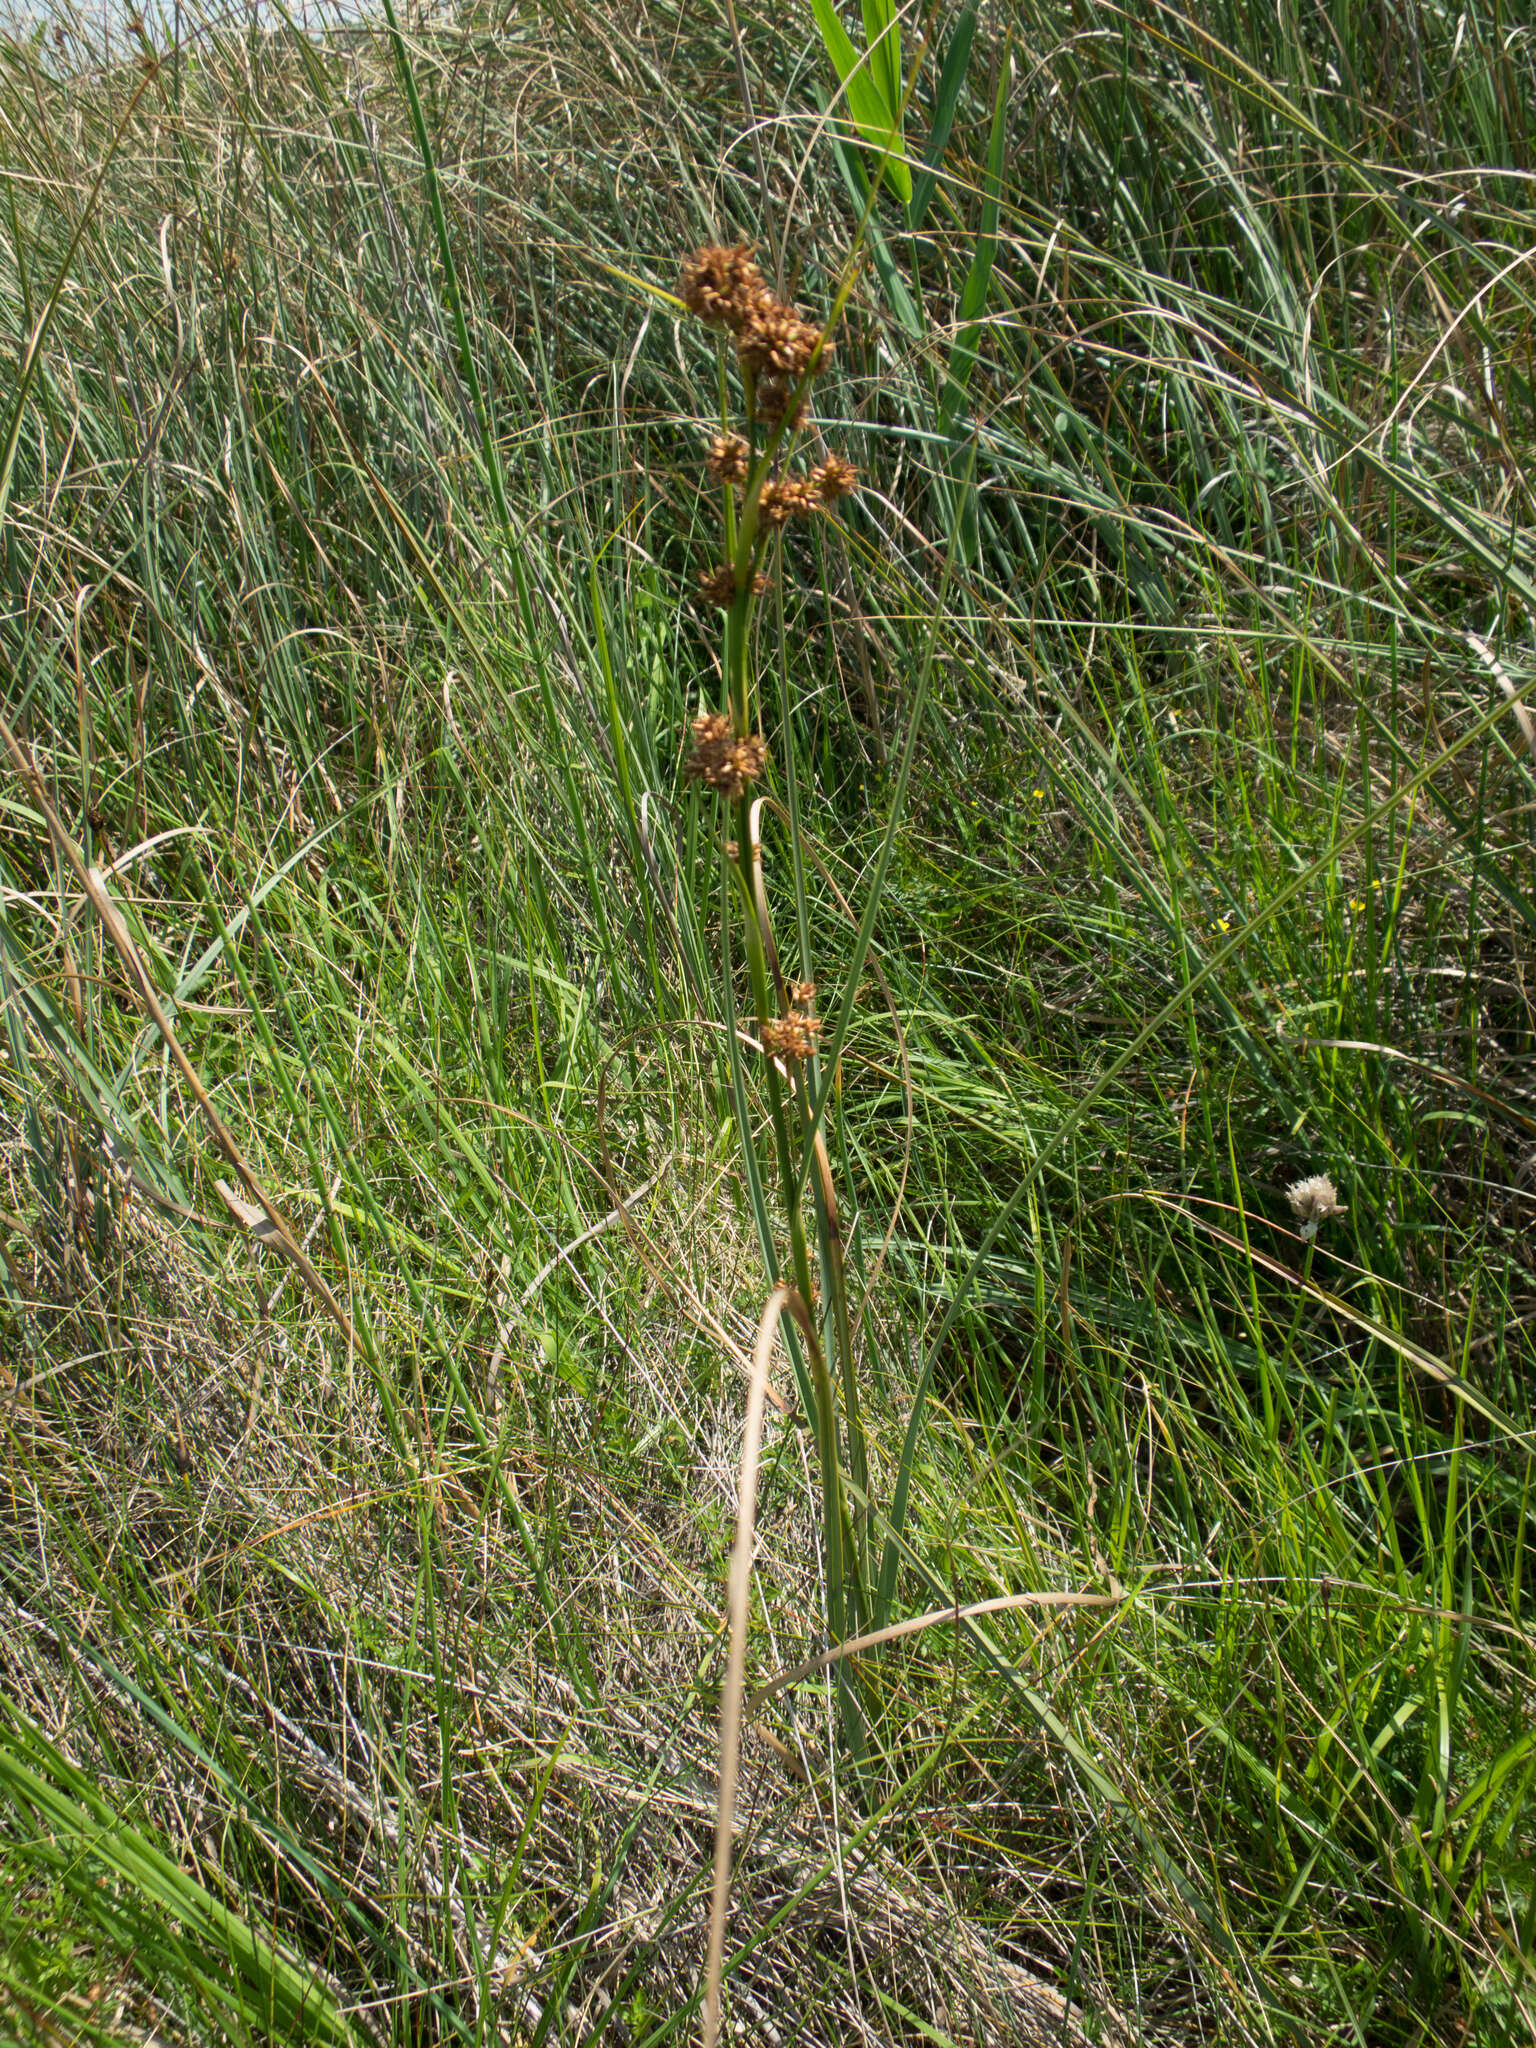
<point>513,1073</point>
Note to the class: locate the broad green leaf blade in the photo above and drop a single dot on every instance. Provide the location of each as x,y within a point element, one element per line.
<point>882,32</point>
<point>877,120</point>
<point>973,298</point>
<point>978,279</point>
<point>957,61</point>
<point>897,295</point>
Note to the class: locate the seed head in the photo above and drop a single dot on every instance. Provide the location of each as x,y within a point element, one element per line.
<point>718,586</point>
<point>721,761</point>
<point>1312,1202</point>
<point>794,1037</point>
<point>771,403</point>
<point>790,1038</point>
<point>834,479</point>
<point>727,458</point>
<point>786,497</point>
<point>721,286</point>
<point>774,340</point>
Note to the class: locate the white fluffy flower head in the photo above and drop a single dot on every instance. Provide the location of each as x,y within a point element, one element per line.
<point>1312,1202</point>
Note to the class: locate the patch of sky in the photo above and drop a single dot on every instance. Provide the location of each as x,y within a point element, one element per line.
<point>91,32</point>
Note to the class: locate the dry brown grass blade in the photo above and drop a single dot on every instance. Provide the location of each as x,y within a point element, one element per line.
<point>783,1297</point>
<point>760,899</point>
<point>1511,694</point>
<point>857,1645</point>
<point>279,1232</point>
<point>1457,1083</point>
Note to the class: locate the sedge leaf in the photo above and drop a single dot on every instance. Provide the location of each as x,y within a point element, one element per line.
<point>877,119</point>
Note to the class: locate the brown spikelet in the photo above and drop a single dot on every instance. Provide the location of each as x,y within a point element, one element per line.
<point>727,458</point>
<point>772,403</point>
<point>721,761</point>
<point>834,479</point>
<point>721,285</point>
<point>717,586</point>
<point>787,497</point>
<point>774,340</point>
<point>793,1037</point>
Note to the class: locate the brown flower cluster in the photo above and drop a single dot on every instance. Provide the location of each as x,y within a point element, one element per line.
<point>798,497</point>
<point>778,341</point>
<point>793,1037</point>
<point>781,499</point>
<point>724,288</point>
<point>834,479</point>
<point>719,285</point>
<point>717,586</point>
<point>721,761</point>
<point>771,397</point>
<point>787,497</point>
<point>727,458</point>
<point>777,347</point>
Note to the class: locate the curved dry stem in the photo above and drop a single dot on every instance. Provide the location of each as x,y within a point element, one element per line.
<point>857,1645</point>
<point>783,1297</point>
<point>760,898</point>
